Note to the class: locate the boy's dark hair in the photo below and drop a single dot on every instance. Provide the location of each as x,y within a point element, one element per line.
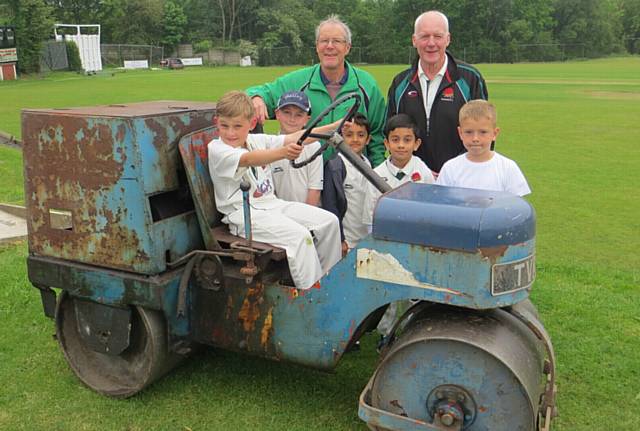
<point>361,120</point>
<point>400,121</point>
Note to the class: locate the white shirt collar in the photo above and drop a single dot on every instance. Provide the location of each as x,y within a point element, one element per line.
<point>393,169</point>
<point>440,73</point>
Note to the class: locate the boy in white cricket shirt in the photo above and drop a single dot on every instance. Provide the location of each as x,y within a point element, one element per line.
<point>401,140</point>
<point>345,187</point>
<point>479,167</point>
<point>238,156</point>
<point>303,184</point>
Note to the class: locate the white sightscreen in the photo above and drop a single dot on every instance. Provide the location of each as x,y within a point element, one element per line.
<point>87,37</point>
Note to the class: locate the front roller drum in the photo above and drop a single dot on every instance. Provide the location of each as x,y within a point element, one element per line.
<point>129,366</point>
<point>457,369</point>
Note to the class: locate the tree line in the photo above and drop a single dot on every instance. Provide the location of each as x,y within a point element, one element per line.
<point>381,28</point>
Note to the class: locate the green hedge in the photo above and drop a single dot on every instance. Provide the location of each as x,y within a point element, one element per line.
<point>73,56</point>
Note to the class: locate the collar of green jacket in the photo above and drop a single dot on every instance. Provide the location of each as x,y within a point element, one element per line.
<point>349,84</point>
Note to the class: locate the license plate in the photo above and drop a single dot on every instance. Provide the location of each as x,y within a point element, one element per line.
<point>512,276</point>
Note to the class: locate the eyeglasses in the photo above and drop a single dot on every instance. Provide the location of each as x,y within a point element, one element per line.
<point>335,42</point>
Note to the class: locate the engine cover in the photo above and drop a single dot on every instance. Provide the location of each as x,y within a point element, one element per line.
<point>453,218</point>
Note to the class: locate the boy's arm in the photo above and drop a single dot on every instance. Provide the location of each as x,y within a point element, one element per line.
<point>370,199</point>
<point>426,174</point>
<point>443,177</point>
<point>261,157</point>
<point>294,137</point>
<point>314,178</point>
<point>313,197</point>
<point>516,181</point>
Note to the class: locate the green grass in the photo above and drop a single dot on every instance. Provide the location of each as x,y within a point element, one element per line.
<point>572,127</point>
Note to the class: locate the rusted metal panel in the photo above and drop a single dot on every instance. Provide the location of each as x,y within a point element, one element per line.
<point>130,110</point>
<point>105,286</point>
<point>193,150</point>
<point>313,327</point>
<point>101,165</point>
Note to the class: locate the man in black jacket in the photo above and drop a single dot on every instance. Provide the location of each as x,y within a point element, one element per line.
<point>433,90</point>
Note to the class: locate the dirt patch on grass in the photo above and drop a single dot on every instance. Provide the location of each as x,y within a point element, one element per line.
<point>560,81</point>
<point>9,140</point>
<point>616,95</point>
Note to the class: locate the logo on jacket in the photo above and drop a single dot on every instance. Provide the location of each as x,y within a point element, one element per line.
<point>415,177</point>
<point>447,94</point>
<point>412,93</point>
<point>277,170</point>
<point>262,189</point>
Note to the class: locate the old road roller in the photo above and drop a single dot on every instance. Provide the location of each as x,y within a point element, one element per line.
<point>143,271</point>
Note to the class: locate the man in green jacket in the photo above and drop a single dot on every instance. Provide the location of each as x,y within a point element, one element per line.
<point>327,81</point>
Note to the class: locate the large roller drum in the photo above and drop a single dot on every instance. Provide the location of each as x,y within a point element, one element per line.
<point>463,369</point>
<point>118,368</point>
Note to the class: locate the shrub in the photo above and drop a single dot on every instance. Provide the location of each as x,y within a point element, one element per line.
<point>248,48</point>
<point>202,46</point>
<point>73,56</point>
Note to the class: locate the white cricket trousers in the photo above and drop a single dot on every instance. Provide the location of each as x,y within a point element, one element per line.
<point>289,225</point>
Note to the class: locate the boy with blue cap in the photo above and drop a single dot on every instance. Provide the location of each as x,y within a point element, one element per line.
<point>303,184</point>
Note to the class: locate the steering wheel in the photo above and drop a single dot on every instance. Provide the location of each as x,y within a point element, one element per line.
<point>308,134</point>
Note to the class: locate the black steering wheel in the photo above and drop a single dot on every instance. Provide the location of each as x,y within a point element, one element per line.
<point>307,133</point>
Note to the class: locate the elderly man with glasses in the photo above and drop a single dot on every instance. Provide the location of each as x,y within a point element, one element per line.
<point>332,78</point>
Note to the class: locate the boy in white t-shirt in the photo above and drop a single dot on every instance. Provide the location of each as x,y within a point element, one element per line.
<point>310,235</point>
<point>345,187</point>
<point>303,184</point>
<point>480,167</point>
<point>401,140</point>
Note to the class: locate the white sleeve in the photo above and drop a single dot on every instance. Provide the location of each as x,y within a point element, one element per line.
<point>370,199</point>
<point>516,182</point>
<point>425,173</point>
<point>443,177</point>
<point>315,169</point>
<point>272,141</point>
<point>224,160</point>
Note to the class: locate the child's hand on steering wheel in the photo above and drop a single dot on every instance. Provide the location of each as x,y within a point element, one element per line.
<point>293,150</point>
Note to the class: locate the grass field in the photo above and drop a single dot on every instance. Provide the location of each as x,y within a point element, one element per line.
<point>573,128</point>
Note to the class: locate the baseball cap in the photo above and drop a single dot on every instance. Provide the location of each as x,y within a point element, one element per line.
<point>296,98</point>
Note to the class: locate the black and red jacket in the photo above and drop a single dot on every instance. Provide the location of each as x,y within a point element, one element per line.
<point>440,139</point>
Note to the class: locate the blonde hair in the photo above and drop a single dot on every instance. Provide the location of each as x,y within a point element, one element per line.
<point>478,109</point>
<point>235,104</point>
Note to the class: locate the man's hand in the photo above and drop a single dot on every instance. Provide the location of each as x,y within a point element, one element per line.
<point>262,113</point>
<point>293,150</point>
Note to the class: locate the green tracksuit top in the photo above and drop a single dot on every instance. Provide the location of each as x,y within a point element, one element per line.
<point>308,80</point>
